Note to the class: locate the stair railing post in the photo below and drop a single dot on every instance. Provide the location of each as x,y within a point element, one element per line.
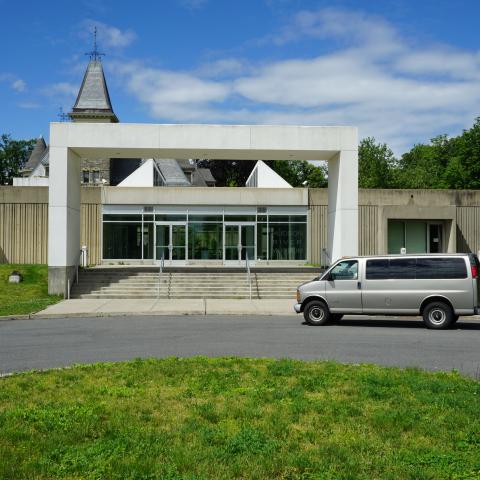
<point>160,271</point>
<point>249,279</point>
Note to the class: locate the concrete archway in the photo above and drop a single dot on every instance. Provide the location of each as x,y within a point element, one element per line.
<point>71,141</point>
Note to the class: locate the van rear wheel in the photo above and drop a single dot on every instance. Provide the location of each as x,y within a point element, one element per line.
<point>438,315</point>
<point>316,313</point>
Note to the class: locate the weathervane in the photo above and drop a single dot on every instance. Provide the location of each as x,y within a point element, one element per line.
<point>95,54</point>
<point>62,115</point>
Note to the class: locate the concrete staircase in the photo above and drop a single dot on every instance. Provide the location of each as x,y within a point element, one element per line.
<point>144,282</point>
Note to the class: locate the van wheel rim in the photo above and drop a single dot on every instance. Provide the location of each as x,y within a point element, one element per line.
<point>437,316</point>
<point>317,314</point>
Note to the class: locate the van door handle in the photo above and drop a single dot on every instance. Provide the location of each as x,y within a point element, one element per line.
<point>359,285</point>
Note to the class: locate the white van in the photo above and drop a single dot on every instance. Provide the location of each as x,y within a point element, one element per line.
<point>438,287</point>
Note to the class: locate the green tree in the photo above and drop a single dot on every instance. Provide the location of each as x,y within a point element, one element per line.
<point>376,164</point>
<point>463,168</point>
<point>229,173</point>
<point>13,155</point>
<point>424,165</point>
<point>300,173</point>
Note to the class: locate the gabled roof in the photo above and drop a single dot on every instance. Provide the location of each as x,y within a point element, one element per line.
<point>202,177</point>
<point>172,173</point>
<point>263,176</point>
<point>93,100</point>
<point>37,155</point>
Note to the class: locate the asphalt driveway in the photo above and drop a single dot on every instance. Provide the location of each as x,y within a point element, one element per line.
<point>58,342</point>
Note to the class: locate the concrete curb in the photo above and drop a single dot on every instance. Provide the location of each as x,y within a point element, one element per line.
<point>17,317</point>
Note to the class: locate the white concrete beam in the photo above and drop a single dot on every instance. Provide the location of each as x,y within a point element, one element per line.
<point>235,142</point>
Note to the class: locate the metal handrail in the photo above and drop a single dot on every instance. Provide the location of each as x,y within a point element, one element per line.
<point>77,264</point>
<point>160,272</point>
<point>249,277</point>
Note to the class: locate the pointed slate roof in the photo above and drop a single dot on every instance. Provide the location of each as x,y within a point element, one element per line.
<point>93,100</point>
<point>38,153</point>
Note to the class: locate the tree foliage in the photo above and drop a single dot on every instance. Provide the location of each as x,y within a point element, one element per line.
<point>233,173</point>
<point>13,155</point>
<point>376,164</point>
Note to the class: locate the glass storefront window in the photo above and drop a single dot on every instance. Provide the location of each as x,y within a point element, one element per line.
<point>122,240</point>
<point>287,218</point>
<point>205,241</point>
<point>287,241</point>
<point>239,218</point>
<point>122,218</point>
<point>148,242</point>
<point>262,241</point>
<point>204,218</point>
<point>166,217</point>
<point>278,237</point>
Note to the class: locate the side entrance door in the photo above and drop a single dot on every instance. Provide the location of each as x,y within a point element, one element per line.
<point>343,288</point>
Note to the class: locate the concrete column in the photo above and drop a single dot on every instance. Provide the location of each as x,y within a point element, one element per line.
<point>63,218</point>
<point>343,205</point>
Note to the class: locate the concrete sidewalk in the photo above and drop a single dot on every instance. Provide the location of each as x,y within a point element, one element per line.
<point>101,308</point>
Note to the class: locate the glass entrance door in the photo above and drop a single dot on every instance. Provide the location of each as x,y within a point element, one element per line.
<point>171,242</point>
<point>435,243</point>
<point>239,240</point>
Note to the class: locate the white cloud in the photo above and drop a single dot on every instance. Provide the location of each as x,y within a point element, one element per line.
<point>29,105</point>
<point>193,4</point>
<point>19,85</point>
<point>108,36</point>
<point>370,77</point>
<point>16,83</point>
<point>174,95</point>
<point>60,89</point>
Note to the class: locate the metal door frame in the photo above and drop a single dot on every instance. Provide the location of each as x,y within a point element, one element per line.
<point>170,244</point>
<point>240,246</point>
<point>442,235</point>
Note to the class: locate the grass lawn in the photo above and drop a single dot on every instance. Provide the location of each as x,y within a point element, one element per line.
<point>28,296</point>
<point>225,418</point>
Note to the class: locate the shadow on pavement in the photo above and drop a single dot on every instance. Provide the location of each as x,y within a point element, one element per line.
<point>395,323</point>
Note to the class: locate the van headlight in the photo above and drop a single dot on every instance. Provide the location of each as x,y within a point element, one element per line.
<point>298,295</point>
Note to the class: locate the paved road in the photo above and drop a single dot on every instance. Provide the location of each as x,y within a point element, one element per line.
<point>45,343</point>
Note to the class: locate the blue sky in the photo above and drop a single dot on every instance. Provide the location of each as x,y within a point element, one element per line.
<point>402,71</point>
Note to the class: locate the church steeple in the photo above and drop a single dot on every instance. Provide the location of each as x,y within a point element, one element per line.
<point>93,100</point>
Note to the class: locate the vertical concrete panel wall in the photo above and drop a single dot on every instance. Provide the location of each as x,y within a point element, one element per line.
<point>318,205</point>
<point>90,231</point>
<point>24,224</point>
<point>23,232</point>
<point>468,229</point>
<point>367,230</point>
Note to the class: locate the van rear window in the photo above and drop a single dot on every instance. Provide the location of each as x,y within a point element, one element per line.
<point>419,268</point>
<point>436,268</point>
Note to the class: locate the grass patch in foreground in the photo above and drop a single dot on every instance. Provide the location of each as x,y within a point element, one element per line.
<point>227,418</point>
<point>28,296</point>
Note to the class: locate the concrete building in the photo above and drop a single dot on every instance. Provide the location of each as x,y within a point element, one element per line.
<point>164,209</point>
<point>452,217</point>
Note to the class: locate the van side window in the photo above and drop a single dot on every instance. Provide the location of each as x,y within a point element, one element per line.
<point>347,270</point>
<point>377,270</point>
<point>441,268</point>
<point>402,268</point>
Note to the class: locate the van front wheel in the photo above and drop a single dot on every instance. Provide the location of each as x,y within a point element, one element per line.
<point>438,315</point>
<point>316,313</point>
